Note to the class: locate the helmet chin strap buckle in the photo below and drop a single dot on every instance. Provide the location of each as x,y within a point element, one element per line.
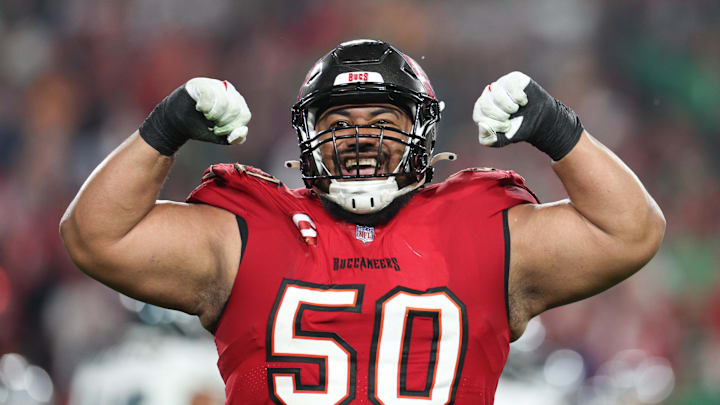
<point>442,156</point>
<point>363,197</point>
<point>292,164</point>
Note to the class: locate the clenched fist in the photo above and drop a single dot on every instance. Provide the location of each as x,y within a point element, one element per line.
<point>515,108</point>
<point>204,109</point>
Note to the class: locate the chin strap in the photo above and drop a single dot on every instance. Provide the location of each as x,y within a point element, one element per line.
<point>365,197</point>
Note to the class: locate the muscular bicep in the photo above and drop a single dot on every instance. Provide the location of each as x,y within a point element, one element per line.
<point>180,256</point>
<point>558,257</point>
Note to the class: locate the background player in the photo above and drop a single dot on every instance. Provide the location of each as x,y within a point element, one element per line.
<point>186,256</point>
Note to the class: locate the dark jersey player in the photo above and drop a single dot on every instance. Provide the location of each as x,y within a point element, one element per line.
<point>370,285</point>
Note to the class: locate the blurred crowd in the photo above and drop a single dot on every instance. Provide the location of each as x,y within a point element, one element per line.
<point>78,76</point>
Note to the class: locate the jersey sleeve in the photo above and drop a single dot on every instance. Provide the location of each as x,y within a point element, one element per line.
<point>493,189</point>
<point>243,190</point>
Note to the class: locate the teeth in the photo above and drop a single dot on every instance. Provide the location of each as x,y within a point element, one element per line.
<point>351,163</point>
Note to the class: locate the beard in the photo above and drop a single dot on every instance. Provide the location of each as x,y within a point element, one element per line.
<point>372,219</point>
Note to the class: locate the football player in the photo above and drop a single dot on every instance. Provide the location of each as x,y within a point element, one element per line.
<point>370,285</point>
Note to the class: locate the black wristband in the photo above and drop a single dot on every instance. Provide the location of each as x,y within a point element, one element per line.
<point>558,136</point>
<point>172,122</point>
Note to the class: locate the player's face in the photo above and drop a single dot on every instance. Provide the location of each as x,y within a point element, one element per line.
<point>344,119</point>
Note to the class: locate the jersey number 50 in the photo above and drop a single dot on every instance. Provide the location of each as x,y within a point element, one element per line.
<point>337,360</point>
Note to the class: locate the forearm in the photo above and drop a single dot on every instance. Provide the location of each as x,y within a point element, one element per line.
<point>119,193</point>
<point>608,194</point>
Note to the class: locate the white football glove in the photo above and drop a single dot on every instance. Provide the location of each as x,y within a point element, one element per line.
<point>515,108</point>
<point>223,105</point>
<point>497,102</point>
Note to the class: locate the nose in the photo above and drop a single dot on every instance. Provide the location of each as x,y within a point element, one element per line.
<point>365,140</point>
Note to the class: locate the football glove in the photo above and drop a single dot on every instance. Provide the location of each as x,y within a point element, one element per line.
<point>515,108</point>
<point>204,109</point>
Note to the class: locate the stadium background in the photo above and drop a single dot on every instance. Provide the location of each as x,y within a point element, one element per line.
<point>78,76</point>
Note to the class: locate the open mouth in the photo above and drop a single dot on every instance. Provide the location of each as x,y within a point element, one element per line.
<point>365,166</point>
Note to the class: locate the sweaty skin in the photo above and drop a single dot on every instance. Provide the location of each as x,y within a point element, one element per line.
<point>185,256</point>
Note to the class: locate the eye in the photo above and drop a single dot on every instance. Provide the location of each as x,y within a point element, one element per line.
<point>385,123</point>
<point>340,124</point>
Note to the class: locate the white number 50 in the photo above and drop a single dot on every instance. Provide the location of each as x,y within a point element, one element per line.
<point>337,361</point>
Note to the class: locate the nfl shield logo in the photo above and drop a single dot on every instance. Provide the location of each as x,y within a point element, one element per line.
<point>364,234</point>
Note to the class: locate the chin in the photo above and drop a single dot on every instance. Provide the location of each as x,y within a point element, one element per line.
<point>373,219</point>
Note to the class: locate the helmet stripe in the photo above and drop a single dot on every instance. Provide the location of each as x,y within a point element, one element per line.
<point>420,74</point>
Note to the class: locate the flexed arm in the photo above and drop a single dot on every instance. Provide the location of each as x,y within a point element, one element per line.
<point>567,250</point>
<point>180,256</point>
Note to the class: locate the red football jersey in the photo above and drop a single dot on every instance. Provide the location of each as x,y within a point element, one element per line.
<point>322,311</point>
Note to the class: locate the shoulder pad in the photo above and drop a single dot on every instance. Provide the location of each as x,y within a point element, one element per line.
<point>255,172</point>
<point>241,189</point>
<point>473,170</point>
<point>490,173</point>
<point>225,172</point>
<point>505,178</point>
